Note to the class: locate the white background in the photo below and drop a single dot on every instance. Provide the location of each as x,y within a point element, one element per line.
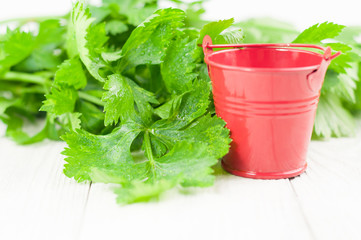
<point>301,13</point>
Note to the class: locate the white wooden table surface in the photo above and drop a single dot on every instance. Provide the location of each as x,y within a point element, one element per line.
<point>38,202</point>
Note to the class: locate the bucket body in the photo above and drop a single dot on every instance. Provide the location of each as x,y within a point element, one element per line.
<point>268,97</point>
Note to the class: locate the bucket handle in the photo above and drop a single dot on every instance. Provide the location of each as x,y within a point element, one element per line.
<point>313,78</point>
<point>208,47</point>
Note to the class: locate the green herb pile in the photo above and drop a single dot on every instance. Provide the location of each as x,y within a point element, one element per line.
<point>125,86</point>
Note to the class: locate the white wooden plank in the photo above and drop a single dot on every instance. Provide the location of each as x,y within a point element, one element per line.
<point>235,208</point>
<point>36,200</point>
<point>330,192</point>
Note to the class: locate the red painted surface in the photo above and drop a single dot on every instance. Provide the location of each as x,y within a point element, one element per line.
<point>268,95</point>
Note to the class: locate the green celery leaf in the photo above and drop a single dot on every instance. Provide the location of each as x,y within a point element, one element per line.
<point>190,160</point>
<point>143,99</point>
<point>169,108</point>
<point>92,118</point>
<point>332,119</point>
<point>194,104</point>
<point>319,32</point>
<point>15,46</point>
<point>136,11</point>
<point>40,59</point>
<point>143,192</point>
<point>338,46</point>
<point>158,147</point>
<point>213,29</point>
<point>49,39</point>
<point>346,60</point>
<point>111,56</point>
<point>71,121</point>
<point>87,151</point>
<point>192,33</point>
<point>342,62</point>
<point>78,25</point>
<point>137,16</point>
<point>194,11</point>
<point>85,40</point>
<point>99,12</point>
<point>346,85</point>
<point>331,80</point>
<point>188,164</point>
<point>71,73</point>
<point>148,42</point>
<point>61,100</point>
<point>179,63</point>
<point>232,36</point>
<point>51,32</point>
<point>207,129</point>
<point>119,100</point>
<point>122,97</point>
<point>186,122</point>
<point>115,27</point>
<point>149,77</point>
<point>349,34</point>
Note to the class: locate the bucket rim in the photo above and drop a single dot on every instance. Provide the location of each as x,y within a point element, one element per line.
<point>263,69</point>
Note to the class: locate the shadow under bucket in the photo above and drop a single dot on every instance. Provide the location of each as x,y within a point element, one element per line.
<point>268,95</point>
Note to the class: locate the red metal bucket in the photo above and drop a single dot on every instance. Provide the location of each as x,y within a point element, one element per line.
<point>268,95</point>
